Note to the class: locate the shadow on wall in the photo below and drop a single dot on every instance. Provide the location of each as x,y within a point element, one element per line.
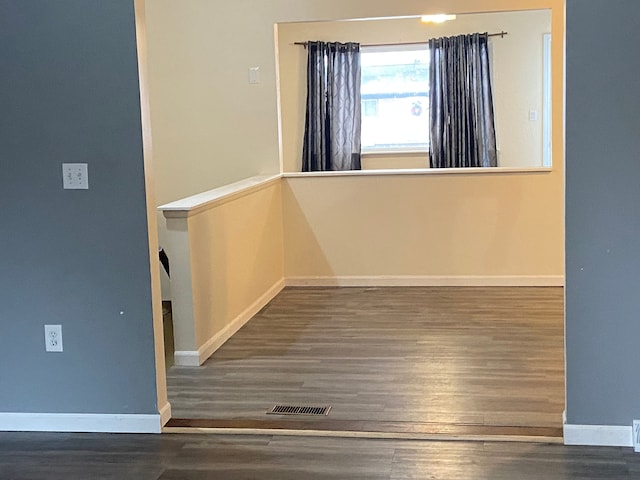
<point>299,233</point>
<point>237,251</point>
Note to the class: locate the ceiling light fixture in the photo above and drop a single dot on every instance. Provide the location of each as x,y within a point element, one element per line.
<point>441,18</point>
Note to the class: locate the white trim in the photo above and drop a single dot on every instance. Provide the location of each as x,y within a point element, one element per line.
<point>186,358</point>
<point>546,101</point>
<point>195,359</point>
<point>79,423</point>
<point>381,152</point>
<point>598,435</point>
<point>142,423</point>
<point>396,47</point>
<point>429,281</point>
<point>165,414</point>
<point>200,202</point>
<point>420,171</point>
<point>276,43</point>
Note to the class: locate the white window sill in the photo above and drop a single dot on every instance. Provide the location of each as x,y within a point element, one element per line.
<point>421,171</point>
<point>395,153</point>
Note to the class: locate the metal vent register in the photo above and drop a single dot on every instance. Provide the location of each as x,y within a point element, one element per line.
<point>298,410</point>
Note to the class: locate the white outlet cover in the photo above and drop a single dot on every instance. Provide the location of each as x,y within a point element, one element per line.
<point>53,338</point>
<point>636,436</point>
<point>75,176</point>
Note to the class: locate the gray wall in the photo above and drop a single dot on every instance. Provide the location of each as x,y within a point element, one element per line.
<point>69,93</point>
<point>603,212</point>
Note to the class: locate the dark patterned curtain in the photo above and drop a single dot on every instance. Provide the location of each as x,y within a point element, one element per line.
<point>332,124</point>
<point>462,127</point>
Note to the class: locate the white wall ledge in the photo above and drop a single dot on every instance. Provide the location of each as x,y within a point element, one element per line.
<point>200,202</point>
<point>421,171</point>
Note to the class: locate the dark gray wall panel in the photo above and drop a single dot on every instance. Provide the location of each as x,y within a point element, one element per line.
<point>69,93</point>
<point>603,212</point>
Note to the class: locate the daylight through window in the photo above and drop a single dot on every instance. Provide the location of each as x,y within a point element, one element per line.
<point>395,98</point>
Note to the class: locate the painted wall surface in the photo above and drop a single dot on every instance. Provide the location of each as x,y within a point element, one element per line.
<point>516,78</point>
<point>413,225</point>
<point>80,258</point>
<point>210,126</point>
<point>228,255</point>
<point>603,224</point>
<point>233,270</point>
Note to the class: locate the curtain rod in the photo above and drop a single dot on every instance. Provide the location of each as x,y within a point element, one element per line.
<point>501,35</point>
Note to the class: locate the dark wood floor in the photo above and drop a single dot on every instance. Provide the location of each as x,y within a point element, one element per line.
<point>474,356</point>
<point>193,457</point>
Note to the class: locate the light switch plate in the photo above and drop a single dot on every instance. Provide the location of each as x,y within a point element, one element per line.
<point>75,176</point>
<point>254,75</point>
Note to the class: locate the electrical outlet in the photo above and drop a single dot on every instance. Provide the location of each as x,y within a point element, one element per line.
<point>636,436</point>
<point>53,338</point>
<point>75,176</point>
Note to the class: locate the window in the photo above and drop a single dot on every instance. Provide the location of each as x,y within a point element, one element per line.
<point>395,98</point>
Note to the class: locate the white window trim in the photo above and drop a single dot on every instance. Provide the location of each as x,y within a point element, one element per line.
<point>397,152</point>
<point>394,47</point>
<point>546,101</point>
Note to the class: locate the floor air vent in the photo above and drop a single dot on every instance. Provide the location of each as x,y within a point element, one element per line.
<point>298,410</point>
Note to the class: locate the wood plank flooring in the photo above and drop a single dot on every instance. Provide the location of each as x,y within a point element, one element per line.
<point>463,355</point>
<point>369,429</point>
<point>39,456</point>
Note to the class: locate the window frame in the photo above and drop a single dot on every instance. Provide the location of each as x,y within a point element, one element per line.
<point>547,135</point>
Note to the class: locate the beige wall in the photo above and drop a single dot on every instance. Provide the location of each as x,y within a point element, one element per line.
<point>210,128</point>
<point>382,161</point>
<point>516,74</point>
<point>228,255</point>
<point>457,225</point>
<point>236,256</point>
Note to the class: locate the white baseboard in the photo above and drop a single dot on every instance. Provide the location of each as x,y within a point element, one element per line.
<point>186,358</point>
<point>598,435</point>
<point>197,358</point>
<point>429,281</point>
<point>79,423</point>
